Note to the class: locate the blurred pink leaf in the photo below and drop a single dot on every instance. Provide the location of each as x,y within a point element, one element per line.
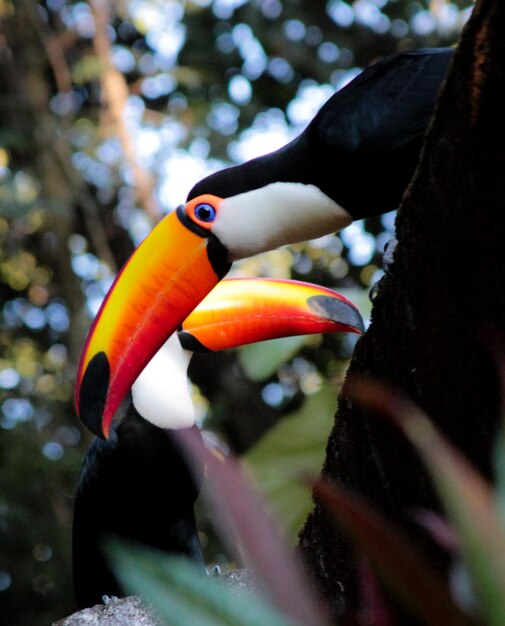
<point>398,563</point>
<point>469,500</point>
<point>240,514</point>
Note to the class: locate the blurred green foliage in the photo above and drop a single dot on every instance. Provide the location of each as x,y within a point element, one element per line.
<point>182,594</point>
<point>208,82</point>
<point>290,453</point>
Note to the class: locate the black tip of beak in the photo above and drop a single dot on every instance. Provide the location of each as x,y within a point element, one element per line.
<point>191,343</point>
<point>337,311</point>
<point>93,393</point>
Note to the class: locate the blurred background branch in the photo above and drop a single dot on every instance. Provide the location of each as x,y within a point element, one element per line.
<point>114,94</point>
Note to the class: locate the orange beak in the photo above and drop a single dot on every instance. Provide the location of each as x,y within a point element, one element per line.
<point>168,275</point>
<point>172,270</point>
<point>241,311</point>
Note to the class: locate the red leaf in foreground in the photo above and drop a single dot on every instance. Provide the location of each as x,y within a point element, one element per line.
<point>398,563</point>
<point>468,498</point>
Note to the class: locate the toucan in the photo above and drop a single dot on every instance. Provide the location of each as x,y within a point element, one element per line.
<point>137,483</point>
<point>353,160</point>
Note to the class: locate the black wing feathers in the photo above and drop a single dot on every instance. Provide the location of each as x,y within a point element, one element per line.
<point>138,487</point>
<point>387,105</point>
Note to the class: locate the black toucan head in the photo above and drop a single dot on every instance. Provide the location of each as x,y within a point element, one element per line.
<point>354,159</point>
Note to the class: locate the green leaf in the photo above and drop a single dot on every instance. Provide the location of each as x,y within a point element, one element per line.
<point>260,360</point>
<point>293,448</point>
<point>182,594</point>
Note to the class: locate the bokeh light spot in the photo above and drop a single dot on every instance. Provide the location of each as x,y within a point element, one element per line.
<point>272,394</point>
<point>5,580</point>
<point>294,30</point>
<point>53,451</point>
<point>240,89</point>
<point>9,378</point>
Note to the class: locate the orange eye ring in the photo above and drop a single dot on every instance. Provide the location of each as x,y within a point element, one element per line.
<point>203,210</point>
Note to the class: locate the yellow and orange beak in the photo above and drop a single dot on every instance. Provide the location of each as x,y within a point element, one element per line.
<point>168,275</point>
<point>171,271</point>
<point>247,310</point>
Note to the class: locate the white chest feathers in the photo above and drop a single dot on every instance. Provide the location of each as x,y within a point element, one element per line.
<point>161,392</point>
<point>275,215</point>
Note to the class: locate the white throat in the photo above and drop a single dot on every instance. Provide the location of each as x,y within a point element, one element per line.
<point>161,392</point>
<point>275,215</point>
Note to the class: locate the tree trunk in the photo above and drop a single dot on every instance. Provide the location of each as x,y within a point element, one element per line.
<point>433,314</point>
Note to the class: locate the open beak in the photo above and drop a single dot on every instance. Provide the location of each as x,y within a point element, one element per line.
<point>168,275</point>
<point>236,312</point>
<point>247,310</point>
<point>163,281</point>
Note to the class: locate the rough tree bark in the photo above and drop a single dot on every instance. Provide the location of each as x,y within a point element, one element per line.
<point>431,315</point>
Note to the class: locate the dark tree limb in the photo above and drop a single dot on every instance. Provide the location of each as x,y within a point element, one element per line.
<point>433,314</point>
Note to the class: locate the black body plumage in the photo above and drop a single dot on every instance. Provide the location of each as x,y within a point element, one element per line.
<point>362,147</point>
<point>137,486</point>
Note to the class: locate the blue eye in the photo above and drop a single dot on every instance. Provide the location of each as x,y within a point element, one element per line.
<point>205,212</point>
